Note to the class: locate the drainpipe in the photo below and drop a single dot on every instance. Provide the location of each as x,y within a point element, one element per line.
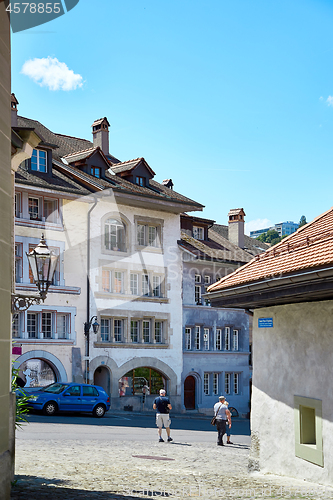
<point>87,335</point>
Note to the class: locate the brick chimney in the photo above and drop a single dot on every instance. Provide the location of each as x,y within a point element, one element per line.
<point>236,227</point>
<point>100,130</point>
<point>13,104</point>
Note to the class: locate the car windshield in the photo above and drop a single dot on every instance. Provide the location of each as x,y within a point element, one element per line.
<point>55,388</point>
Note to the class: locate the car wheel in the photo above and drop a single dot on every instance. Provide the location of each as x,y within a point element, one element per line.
<point>99,411</point>
<point>50,408</point>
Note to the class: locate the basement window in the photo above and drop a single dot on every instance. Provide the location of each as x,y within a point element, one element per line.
<point>308,429</point>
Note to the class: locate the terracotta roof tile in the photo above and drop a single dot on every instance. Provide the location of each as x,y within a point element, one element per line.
<point>309,247</point>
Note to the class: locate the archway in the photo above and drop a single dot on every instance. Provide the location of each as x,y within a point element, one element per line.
<point>189,393</point>
<point>102,378</point>
<point>50,361</point>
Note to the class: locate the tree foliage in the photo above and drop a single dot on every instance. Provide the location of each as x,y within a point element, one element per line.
<point>22,399</point>
<point>271,236</point>
<point>302,221</point>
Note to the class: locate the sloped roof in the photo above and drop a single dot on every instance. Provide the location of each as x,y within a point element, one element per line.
<point>309,248</point>
<point>86,153</point>
<point>127,166</point>
<point>251,245</point>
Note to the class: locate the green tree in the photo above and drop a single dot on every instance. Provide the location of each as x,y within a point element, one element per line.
<point>22,406</point>
<point>271,236</point>
<point>302,221</point>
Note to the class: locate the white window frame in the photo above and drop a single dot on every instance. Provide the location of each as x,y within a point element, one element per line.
<point>38,160</point>
<point>215,383</point>
<point>235,336</point>
<point>236,383</point>
<point>39,208</point>
<point>206,384</point>
<point>145,237</point>
<point>146,328</point>
<point>134,283</point>
<point>135,331</point>
<point>198,233</point>
<point>206,339</point>
<point>118,329</point>
<point>114,235</point>
<point>53,218</point>
<point>227,381</point>
<point>227,338</point>
<point>18,205</point>
<point>106,280</point>
<point>105,329</point>
<point>218,339</point>
<point>188,332</point>
<point>158,335</point>
<point>145,285</point>
<point>66,322</point>
<point>197,293</point>
<point>197,338</point>
<point>207,280</point>
<point>118,282</point>
<point>157,286</point>
<point>197,278</point>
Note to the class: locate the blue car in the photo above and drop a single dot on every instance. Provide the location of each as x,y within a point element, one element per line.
<point>63,396</point>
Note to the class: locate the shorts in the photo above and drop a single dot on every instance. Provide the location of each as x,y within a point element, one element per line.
<point>163,418</point>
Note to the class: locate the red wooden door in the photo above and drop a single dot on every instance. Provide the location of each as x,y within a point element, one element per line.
<point>189,393</point>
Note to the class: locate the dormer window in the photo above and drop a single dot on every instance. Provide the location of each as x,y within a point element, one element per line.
<point>96,172</point>
<point>140,181</point>
<point>198,233</point>
<point>38,160</point>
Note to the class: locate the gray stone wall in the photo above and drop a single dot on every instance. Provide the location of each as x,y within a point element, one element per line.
<point>6,252</point>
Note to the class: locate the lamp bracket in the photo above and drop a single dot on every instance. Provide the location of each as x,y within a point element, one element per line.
<point>23,302</point>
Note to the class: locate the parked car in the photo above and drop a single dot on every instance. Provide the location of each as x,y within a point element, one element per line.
<point>63,396</point>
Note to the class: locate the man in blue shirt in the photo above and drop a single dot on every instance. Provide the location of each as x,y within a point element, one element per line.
<point>162,406</point>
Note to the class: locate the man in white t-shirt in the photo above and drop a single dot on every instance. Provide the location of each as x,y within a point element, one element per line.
<point>222,417</point>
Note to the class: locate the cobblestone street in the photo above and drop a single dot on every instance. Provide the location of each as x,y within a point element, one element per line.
<point>107,467</point>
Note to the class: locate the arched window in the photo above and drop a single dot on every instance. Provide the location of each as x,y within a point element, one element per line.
<point>36,373</point>
<point>115,236</point>
<point>132,383</point>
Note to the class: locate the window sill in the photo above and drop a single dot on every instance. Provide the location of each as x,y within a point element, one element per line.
<point>144,248</point>
<point>138,345</point>
<point>56,226</point>
<point>22,341</point>
<point>30,287</point>
<point>130,297</point>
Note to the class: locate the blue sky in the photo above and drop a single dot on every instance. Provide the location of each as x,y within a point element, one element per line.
<point>229,99</point>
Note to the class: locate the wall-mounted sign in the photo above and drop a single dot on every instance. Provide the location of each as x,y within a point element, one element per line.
<point>265,322</point>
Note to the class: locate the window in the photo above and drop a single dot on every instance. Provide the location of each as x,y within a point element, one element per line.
<point>38,160</point>
<point>227,383</point>
<point>17,208</point>
<point>215,383</point>
<point>206,339</point>
<point>158,331</point>
<point>227,338</point>
<point>114,233</point>
<point>198,233</point>
<point>134,284</point>
<point>51,210</point>
<point>89,391</point>
<point>47,325</point>
<point>32,325</point>
<point>16,325</point>
<point>206,384</point>
<point>197,338</point>
<point>235,340</point>
<point>145,285</point>
<point>134,331</point>
<point>105,330</point>
<point>146,331</point>
<point>197,294</point>
<point>218,340</point>
<point>95,171</point>
<point>197,278</point>
<point>118,330</point>
<point>308,429</point>
<point>106,281</point>
<point>118,282</point>
<point>18,262</point>
<point>187,339</point>
<point>236,383</point>
<point>62,325</point>
<point>207,280</point>
<point>34,208</point>
<point>157,286</point>
<point>148,235</point>
<point>140,181</point>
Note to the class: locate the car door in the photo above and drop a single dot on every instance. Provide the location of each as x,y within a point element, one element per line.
<point>70,399</point>
<point>90,396</point>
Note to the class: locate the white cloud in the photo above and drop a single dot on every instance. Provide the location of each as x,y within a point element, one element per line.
<point>51,73</point>
<point>252,225</point>
<point>329,100</point>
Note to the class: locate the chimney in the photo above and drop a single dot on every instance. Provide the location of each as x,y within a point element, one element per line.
<point>13,104</point>
<point>100,130</point>
<point>236,227</point>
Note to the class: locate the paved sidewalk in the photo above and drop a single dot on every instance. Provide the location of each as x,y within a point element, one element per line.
<point>55,468</point>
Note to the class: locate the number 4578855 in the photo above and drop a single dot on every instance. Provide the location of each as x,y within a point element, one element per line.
<point>34,8</point>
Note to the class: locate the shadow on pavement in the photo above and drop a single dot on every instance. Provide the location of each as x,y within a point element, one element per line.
<point>40,488</point>
<point>240,427</point>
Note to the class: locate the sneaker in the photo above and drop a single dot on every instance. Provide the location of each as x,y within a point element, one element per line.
<point>170,439</point>
<point>161,440</point>
<point>229,442</point>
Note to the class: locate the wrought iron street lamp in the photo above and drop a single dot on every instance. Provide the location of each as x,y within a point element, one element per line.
<point>87,326</point>
<point>43,263</point>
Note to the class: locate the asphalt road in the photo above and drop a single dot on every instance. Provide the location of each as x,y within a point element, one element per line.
<point>126,426</point>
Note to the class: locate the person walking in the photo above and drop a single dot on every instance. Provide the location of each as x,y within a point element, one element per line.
<point>162,406</point>
<point>228,426</point>
<point>222,417</point>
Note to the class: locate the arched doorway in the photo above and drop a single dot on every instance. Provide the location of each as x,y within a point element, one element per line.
<point>102,378</point>
<point>189,393</point>
<point>36,372</point>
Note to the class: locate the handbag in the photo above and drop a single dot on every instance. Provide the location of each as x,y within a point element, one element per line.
<point>213,421</point>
